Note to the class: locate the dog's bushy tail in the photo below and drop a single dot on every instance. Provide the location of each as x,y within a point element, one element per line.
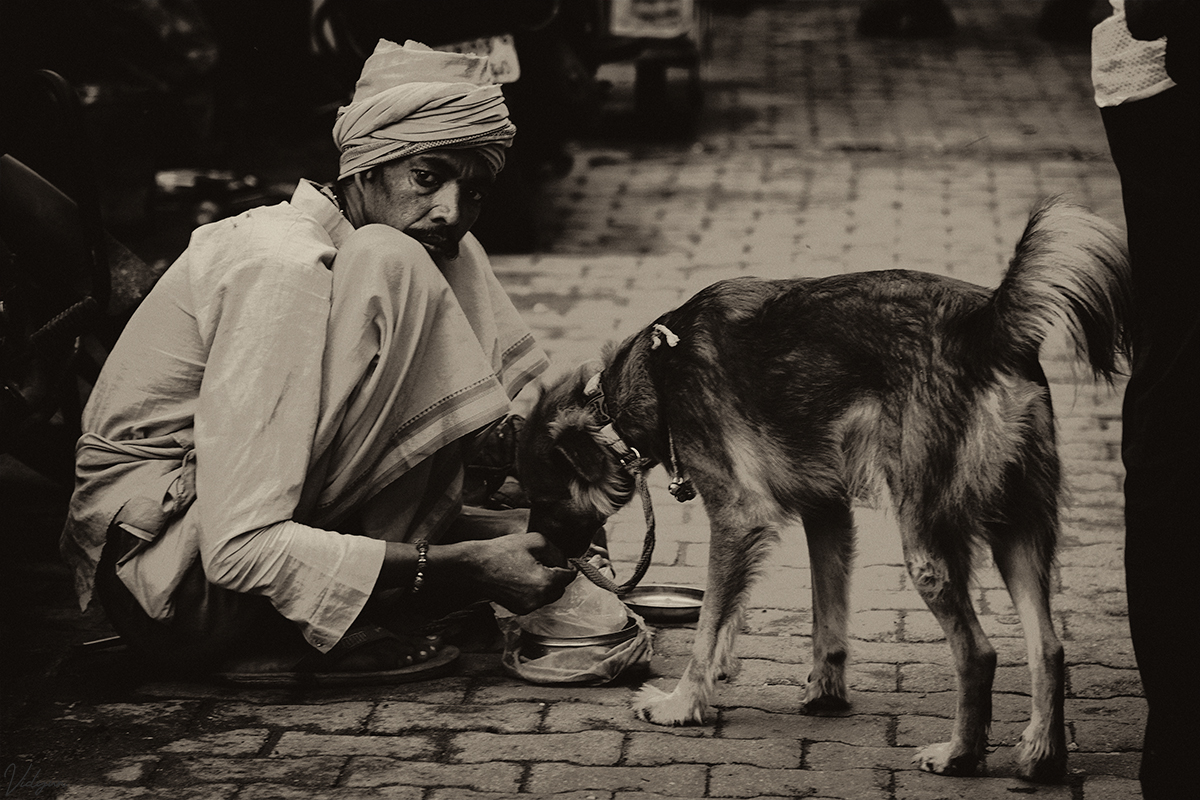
<point>1069,266</point>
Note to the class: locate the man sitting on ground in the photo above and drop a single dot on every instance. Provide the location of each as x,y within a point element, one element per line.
<point>270,479</point>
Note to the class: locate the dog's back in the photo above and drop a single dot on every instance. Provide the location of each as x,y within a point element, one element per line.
<point>814,386</point>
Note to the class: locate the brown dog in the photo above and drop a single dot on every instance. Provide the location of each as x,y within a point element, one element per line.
<point>788,399</point>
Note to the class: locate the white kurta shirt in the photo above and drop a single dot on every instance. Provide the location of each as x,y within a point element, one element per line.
<point>1123,68</point>
<point>270,386</point>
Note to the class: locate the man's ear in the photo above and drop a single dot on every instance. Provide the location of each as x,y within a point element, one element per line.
<point>572,435</point>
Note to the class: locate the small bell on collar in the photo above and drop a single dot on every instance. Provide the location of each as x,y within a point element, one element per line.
<point>681,489</point>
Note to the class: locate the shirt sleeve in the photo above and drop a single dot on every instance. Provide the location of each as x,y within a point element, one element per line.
<point>264,316</point>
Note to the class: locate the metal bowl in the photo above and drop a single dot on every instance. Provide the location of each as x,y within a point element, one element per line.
<point>536,646</point>
<point>666,603</point>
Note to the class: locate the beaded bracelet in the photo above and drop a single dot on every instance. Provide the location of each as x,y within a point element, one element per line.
<point>422,560</point>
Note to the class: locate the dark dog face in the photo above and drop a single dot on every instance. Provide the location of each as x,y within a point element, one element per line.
<point>574,482</point>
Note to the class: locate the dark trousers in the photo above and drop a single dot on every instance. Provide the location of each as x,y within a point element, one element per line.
<point>1155,146</point>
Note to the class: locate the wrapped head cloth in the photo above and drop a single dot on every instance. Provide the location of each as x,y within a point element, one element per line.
<point>412,99</point>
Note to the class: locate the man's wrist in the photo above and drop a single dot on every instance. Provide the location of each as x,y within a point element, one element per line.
<point>421,567</point>
<point>452,564</point>
<point>422,562</point>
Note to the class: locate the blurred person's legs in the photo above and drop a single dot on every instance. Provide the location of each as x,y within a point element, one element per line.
<point>1156,148</point>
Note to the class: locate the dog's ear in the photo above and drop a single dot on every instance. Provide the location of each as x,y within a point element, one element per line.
<point>573,436</point>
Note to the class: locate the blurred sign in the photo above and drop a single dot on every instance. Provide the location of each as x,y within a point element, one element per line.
<point>501,53</point>
<point>656,19</point>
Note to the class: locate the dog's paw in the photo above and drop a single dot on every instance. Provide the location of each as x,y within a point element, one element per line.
<point>1040,757</point>
<point>656,706</point>
<point>942,759</point>
<point>823,704</point>
<point>824,697</point>
<point>730,667</point>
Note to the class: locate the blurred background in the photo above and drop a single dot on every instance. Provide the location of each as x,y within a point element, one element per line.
<point>196,109</point>
<point>200,108</point>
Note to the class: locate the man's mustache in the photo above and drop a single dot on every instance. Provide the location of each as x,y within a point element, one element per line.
<point>441,241</point>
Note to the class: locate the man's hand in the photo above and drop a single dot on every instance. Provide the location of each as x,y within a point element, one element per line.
<point>521,571</point>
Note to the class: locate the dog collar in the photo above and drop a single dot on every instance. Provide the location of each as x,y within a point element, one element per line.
<point>632,460</point>
<point>629,456</point>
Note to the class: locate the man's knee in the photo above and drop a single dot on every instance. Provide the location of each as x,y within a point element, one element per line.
<point>380,252</point>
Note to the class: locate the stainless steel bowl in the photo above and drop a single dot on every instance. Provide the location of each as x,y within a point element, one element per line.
<point>536,646</point>
<point>665,603</point>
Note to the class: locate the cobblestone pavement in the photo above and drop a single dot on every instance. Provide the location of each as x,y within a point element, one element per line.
<point>817,152</point>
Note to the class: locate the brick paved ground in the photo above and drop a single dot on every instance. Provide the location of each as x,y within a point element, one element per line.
<point>817,152</point>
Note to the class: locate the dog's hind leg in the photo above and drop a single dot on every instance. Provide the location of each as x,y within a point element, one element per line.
<point>734,554</point>
<point>942,578</point>
<point>830,533</point>
<point>1024,565</point>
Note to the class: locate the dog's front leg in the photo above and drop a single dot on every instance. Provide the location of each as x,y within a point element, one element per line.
<point>733,553</point>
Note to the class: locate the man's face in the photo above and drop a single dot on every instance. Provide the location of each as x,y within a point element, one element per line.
<point>435,197</point>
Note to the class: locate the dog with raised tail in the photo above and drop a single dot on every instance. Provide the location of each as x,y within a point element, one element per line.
<point>786,400</point>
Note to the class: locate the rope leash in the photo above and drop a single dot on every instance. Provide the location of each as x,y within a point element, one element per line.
<point>603,581</point>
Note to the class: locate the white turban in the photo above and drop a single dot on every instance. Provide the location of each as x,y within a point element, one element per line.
<point>412,99</point>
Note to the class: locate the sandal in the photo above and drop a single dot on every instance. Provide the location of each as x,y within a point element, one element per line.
<point>314,668</point>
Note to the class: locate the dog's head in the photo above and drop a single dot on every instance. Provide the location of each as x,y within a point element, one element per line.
<point>573,477</point>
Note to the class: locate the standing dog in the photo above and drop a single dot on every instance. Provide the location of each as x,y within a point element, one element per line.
<point>788,399</point>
